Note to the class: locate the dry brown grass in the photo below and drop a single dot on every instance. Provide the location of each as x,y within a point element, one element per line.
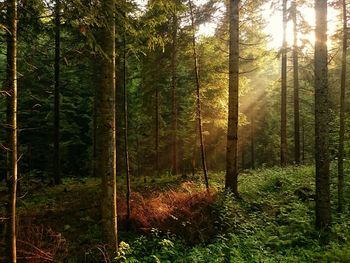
<point>36,244</point>
<point>185,212</point>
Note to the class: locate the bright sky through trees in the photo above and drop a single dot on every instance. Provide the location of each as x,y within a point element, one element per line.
<point>274,23</point>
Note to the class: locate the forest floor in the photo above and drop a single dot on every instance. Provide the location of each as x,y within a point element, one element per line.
<point>174,219</point>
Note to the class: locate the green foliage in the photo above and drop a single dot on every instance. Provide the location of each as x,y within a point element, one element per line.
<point>273,222</point>
<point>154,249</point>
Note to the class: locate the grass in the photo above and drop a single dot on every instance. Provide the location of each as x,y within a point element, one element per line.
<point>174,220</point>
<point>273,222</point>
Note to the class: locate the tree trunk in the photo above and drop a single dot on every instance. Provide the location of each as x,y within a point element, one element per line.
<point>126,148</point>
<point>56,151</point>
<point>194,155</point>
<point>284,90</point>
<point>323,207</point>
<point>157,130</point>
<point>342,115</point>
<point>252,141</point>
<point>105,122</point>
<point>231,181</point>
<point>303,140</point>
<point>175,168</point>
<point>199,111</point>
<point>13,169</point>
<point>296,86</point>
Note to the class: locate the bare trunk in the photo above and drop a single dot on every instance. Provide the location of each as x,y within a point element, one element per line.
<point>126,148</point>
<point>284,90</point>
<point>252,141</point>
<point>56,152</point>
<point>175,168</point>
<point>105,123</point>
<point>12,124</point>
<point>303,140</point>
<point>296,87</point>
<point>342,115</point>
<point>157,130</point>
<point>231,181</point>
<point>199,111</point>
<point>194,155</point>
<point>323,206</point>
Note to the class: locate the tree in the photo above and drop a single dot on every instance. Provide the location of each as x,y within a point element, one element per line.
<point>126,141</point>
<point>174,117</point>
<point>156,145</point>
<point>56,158</point>
<point>296,85</point>
<point>252,140</point>
<point>13,160</point>
<point>284,88</point>
<point>342,112</point>
<point>323,207</point>
<point>232,138</point>
<point>105,120</point>
<point>199,111</point>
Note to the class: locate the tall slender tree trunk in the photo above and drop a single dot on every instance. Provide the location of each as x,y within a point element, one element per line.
<point>157,130</point>
<point>194,155</point>
<point>174,124</point>
<point>323,206</point>
<point>13,169</point>
<point>199,110</point>
<point>126,144</point>
<point>94,123</point>
<point>105,122</point>
<point>296,85</point>
<point>252,140</point>
<point>284,89</point>
<point>342,114</point>
<point>303,140</point>
<point>231,180</point>
<point>56,152</point>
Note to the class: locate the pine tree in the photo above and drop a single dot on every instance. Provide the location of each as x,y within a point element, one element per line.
<point>296,85</point>
<point>13,158</point>
<point>231,181</point>
<point>342,112</point>
<point>199,111</point>
<point>105,121</point>
<point>323,208</point>
<point>56,158</point>
<point>284,88</point>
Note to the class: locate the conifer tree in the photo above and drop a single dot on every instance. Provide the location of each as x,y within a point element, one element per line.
<point>231,181</point>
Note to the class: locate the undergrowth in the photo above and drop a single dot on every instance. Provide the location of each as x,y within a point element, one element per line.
<point>273,221</point>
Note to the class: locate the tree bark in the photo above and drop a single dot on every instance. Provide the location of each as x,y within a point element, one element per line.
<point>342,114</point>
<point>194,155</point>
<point>126,144</point>
<point>175,168</point>
<point>105,122</point>
<point>303,140</point>
<point>252,140</point>
<point>199,110</point>
<point>284,90</point>
<point>323,207</point>
<point>296,85</point>
<point>157,130</point>
<point>13,169</point>
<point>56,152</point>
<point>231,180</point>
